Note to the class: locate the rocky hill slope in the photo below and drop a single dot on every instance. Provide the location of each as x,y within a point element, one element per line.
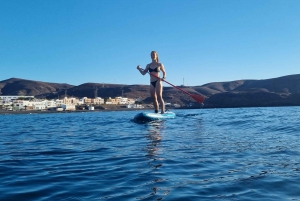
<point>22,87</point>
<point>281,91</point>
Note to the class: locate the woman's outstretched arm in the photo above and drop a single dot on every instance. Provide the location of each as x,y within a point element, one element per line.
<point>143,71</point>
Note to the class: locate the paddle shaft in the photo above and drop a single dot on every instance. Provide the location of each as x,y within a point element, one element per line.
<point>196,97</point>
<point>171,84</point>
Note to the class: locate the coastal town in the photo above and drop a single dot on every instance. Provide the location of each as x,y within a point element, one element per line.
<point>26,103</point>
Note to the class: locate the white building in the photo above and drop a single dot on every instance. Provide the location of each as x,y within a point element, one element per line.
<point>130,101</point>
<point>98,101</point>
<point>122,100</point>
<point>81,101</point>
<point>5,102</point>
<point>9,98</point>
<point>91,108</point>
<point>109,101</point>
<point>71,101</point>
<point>50,104</point>
<point>39,106</point>
<point>68,107</point>
<point>21,105</point>
<point>59,102</point>
<point>134,106</point>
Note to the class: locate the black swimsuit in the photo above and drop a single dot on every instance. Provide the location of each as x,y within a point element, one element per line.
<point>154,83</point>
<point>153,70</point>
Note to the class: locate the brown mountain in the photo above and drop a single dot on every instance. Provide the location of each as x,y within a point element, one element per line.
<point>281,91</point>
<point>22,87</point>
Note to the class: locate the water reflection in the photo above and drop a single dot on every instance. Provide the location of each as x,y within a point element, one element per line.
<point>154,154</point>
<point>155,138</point>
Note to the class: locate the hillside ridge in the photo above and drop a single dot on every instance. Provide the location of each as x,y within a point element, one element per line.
<point>280,91</point>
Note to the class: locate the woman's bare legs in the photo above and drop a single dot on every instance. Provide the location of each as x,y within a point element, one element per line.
<point>159,90</point>
<point>156,94</point>
<point>154,97</point>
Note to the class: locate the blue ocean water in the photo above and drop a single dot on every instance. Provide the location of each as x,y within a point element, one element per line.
<point>205,154</point>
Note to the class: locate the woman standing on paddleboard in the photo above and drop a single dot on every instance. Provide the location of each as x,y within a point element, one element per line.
<point>156,86</point>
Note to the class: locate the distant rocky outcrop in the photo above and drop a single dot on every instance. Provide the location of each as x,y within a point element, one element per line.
<point>281,91</point>
<point>22,87</point>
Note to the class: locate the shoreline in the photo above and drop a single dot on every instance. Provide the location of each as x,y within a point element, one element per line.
<point>111,109</point>
<point>4,112</point>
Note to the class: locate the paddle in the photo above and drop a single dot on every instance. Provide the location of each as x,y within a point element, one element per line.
<point>196,97</point>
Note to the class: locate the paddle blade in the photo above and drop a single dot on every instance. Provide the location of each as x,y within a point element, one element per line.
<point>198,98</point>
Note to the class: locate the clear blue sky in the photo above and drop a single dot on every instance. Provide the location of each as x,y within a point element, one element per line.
<point>102,41</point>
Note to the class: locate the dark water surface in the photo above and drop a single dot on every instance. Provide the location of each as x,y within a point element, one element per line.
<point>216,154</point>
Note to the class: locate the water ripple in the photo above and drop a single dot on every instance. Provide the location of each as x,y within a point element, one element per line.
<point>217,154</point>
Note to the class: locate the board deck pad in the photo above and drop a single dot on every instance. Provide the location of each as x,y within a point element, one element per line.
<point>151,116</point>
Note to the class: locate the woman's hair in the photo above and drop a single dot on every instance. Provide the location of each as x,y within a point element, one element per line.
<point>154,52</point>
